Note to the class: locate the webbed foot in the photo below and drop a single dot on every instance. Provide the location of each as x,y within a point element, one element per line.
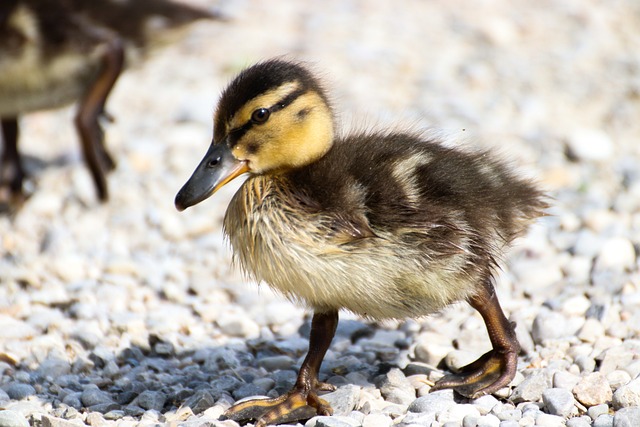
<point>298,404</point>
<point>496,368</point>
<point>491,372</point>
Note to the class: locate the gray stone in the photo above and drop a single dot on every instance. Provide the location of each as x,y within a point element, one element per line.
<point>563,379</point>
<point>488,420</point>
<point>593,389</point>
<point>53,367</point>
<point>558,401</point>
<point>344,399</point>
<point>509,415</point>
<point>548,420</point>
<point>627,417</point>
<point>549,325</point>
<point>92,396</point>
<point>395,387</point>
<point>10,418</point>
<point>274,363</point>
<point>73,400</point>
<point>509,423</point>
<point>247,390</point>
<point>605,420</point>
<point>583,421</point>
<point>19,391</point>
<point>590,145</point>
<point>377,420</point>
<point>485,403</point>
<point>433,403</point>
<point>530,390</point>
<point>597,410</point>
<point>456,414</point>
<point>114,415</point>
<point>150,399</point>
<point>332,421</point>
<point>627,395</point>
<point>200,401</point>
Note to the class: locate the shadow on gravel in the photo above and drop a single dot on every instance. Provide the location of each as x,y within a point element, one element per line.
<point>180,384</point>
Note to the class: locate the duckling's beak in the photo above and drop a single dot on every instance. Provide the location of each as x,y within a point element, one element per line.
<point>217,168</point>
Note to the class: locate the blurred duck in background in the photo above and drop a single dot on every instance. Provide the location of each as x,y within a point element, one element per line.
<point>56,52</point>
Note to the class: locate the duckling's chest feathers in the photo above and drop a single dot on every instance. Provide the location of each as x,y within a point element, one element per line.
<point>309,255</point>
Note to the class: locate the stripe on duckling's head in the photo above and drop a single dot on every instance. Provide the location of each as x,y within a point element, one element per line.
<point>275,121</point>
<point>260,79</point>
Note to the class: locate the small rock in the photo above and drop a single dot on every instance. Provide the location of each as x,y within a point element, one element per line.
<point>618,378</point>
<point>247,390</point>
<point>95,419</point>
<point>628,395</point>
<point>274,363</point>
<point>627,417</point>
<point>593,389</point>
<point>583,421</point>
<point>150,399</point>
<point>547,420</point>
<point>395,387</point>
<point>597,410</point>
<point>485,403</point>
<point>10,418</point>
<point>19,391</point>
<point>92,396</point>
<point>530,390</point>
<point>344,399</point>
<point>488,420</point>
<point>548,325</point>
<point>605,420</point>
<point>199,402</point>
<point>332,421</point>
<point>559,401</point>
<point>456,414</point>
<point>617,254</point>
<point>591,330</point>
<point>456,359</point>
<point>377,420</point>
<point>433,403</point>
<point>431,348</point>
<point>590,145</point>
<point>563,379</point>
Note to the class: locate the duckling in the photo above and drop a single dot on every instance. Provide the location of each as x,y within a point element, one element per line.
<point>387,225</point>
<point>55,52</point>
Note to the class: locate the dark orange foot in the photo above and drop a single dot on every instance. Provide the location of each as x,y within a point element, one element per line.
<point>491,372</point>
<point>298,404</point>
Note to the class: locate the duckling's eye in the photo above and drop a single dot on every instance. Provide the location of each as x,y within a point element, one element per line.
<point>260,115</point>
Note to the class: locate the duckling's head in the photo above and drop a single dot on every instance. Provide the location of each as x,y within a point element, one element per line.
<point>272,118</point>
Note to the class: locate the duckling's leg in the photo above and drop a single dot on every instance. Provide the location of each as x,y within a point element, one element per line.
<point>302,402</point>
<point>11,171</point>
<point>90,109</point>
<point>496,368</point>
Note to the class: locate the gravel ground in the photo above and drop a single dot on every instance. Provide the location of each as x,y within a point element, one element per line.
<point>129,313</point>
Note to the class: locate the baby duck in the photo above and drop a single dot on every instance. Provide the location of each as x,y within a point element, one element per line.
<point>387,225</point>
<point>55,52</point>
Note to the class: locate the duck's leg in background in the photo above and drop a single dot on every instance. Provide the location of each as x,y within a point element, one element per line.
<point>91,108</point>
<point>496,368</point>
<point>302,402</point>
<point>12,173</point>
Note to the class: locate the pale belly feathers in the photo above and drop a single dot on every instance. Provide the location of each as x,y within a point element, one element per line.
<point>376,277</point>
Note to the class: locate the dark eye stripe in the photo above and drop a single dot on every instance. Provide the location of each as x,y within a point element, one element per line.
<point>288,99</point>
<point>236,134</point>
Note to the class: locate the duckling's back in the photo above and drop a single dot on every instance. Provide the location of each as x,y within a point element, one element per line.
<point>384,225</point>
